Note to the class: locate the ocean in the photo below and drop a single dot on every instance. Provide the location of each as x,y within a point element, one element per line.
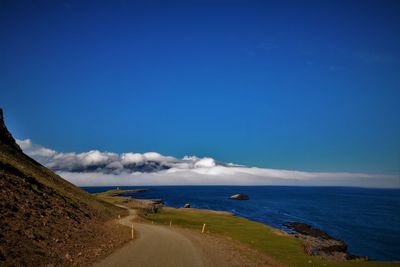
<point>368,220</point>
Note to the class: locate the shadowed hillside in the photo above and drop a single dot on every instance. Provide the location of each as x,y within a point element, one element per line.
<point>45,220</point>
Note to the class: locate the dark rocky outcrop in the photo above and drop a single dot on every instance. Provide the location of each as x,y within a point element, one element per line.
<point>239,197</point>
<point>318,243</point>
<point>303,228</point>
<point>5,137</point>
<point>156,204</point>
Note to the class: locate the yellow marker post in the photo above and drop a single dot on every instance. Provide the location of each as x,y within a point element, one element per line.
<point>204,228</point>
<point>133,232</point>
<point>170,223</point>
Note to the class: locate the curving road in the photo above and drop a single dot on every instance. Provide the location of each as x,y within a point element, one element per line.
<point>154,246</point>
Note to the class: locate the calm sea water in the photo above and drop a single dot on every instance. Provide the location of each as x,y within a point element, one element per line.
<point>367,219</point>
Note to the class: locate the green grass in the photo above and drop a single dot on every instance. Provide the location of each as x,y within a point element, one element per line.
<point>285,249</point>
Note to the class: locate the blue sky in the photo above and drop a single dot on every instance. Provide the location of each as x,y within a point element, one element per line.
<point>300,85</point>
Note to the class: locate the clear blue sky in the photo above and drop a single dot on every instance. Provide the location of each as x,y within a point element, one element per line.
<point>305,85</point>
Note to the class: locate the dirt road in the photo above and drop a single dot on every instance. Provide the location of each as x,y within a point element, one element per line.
<point>157,245</point>
<point>154,246</point>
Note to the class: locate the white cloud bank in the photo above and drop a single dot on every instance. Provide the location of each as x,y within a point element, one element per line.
<point>105,168</point>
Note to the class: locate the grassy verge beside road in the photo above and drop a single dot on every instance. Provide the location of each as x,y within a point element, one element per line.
<point>270,241</point>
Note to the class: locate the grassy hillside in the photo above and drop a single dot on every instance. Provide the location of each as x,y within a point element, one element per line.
<point>14,161</point>
<point>46,220</point>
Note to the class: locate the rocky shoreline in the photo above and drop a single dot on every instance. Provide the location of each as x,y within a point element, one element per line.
<point>318,243</point>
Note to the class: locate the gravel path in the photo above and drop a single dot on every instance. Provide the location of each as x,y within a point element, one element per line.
<point>158,245</point>
<point>154,246</point>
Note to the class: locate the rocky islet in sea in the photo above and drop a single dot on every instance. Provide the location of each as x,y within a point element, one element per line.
<point>239,197</point>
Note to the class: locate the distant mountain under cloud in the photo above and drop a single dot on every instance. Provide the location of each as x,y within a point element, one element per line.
<point>105,168</point>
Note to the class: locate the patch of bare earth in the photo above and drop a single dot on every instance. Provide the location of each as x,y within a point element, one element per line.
<point>221,251</point>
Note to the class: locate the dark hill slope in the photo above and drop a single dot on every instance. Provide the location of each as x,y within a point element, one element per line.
<point>46,220</point>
